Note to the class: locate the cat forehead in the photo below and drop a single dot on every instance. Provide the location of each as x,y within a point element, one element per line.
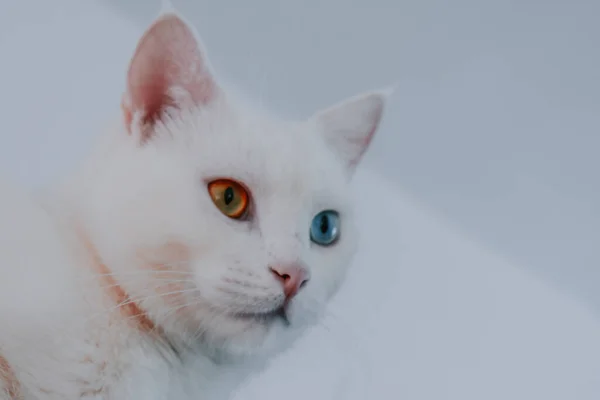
<point>266,153</point>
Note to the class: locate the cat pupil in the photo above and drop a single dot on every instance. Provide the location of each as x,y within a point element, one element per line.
<point>228,195</point>
<point>324,227</point>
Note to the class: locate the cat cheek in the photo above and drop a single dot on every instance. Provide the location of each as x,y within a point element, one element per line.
<point>208,288</point>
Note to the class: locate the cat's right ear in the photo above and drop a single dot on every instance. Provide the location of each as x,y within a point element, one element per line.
<point>168,72</point>
<point>349,126</point>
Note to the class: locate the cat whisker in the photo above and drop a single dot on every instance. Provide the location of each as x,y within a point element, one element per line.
<point>201,330</point>
<point>64,331</point>
<point>179,307</point>
<point>134,273</point>
<point>151,297</point>
<point>169,311</point>
<point>173,310</point>
<point>246,284</point>
<point>166,263</point>
<point>239,270</point>
<point>131,300</point>
<point>162,282</point>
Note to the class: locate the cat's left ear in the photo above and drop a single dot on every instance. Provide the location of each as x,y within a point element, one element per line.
<point>169,71</point>
<point>349,126</point>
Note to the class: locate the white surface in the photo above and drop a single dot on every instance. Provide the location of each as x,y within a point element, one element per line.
<point>426,313</point>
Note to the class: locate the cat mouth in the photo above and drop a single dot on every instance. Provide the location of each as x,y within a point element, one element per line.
<point>265,317</point>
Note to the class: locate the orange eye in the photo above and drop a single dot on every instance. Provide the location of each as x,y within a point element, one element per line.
<point>230,197</point>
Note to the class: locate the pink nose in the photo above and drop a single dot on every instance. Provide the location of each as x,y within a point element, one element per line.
<point>292,278</point>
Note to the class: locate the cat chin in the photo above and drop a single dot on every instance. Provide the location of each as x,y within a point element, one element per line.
<point>246,337</point>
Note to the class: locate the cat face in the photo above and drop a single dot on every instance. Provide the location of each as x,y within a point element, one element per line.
<point>228,226</point>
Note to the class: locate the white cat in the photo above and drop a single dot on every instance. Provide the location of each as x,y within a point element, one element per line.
<point>199,239</point>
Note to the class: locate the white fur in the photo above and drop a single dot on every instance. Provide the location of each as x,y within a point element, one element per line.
<point>141,200</point>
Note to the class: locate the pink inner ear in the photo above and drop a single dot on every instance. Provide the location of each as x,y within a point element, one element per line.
<point>363,144</point>
<point>167,58</point>
<point>150,91</point>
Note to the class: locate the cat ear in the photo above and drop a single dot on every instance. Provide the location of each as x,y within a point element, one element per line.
<point>167,72</point>
<point>349,126</point>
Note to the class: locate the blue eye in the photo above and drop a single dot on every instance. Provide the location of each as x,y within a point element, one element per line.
<point>325,228</point>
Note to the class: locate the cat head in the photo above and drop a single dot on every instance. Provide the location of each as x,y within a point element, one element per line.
<point>228,226</point>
